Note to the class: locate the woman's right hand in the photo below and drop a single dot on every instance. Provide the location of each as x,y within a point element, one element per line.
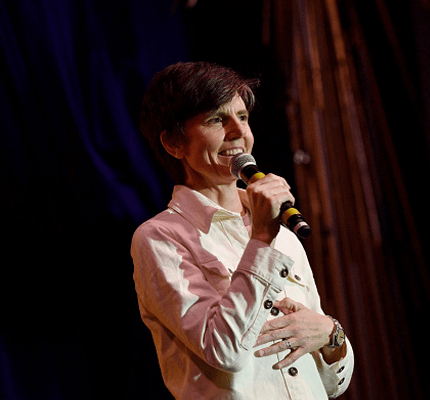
<point>266,196</point>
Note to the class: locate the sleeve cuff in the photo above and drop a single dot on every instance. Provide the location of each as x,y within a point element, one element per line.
<point>337,376</point>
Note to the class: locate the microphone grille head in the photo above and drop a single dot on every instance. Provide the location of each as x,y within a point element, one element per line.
<point>239,161</point>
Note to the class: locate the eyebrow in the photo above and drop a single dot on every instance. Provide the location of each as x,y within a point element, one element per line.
<point>220,112</point>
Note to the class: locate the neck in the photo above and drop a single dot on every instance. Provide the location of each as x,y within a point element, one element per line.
<point>225,196</point>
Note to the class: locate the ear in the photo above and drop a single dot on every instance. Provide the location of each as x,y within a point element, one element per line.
<point>173,149</point>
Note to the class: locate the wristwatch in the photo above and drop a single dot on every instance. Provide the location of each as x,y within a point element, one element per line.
<point>337,337</point>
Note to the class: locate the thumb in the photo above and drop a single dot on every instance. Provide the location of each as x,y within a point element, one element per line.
<point>288,306</point>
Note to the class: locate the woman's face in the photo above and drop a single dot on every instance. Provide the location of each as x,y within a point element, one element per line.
<point>211,140</point>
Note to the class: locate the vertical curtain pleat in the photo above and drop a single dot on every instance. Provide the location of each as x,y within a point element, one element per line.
<point>351,190</point>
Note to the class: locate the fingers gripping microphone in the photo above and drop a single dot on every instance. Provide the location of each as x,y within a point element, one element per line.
<point>244,167</point>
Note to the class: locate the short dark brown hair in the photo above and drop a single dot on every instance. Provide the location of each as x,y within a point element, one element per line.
<point>182,91</point>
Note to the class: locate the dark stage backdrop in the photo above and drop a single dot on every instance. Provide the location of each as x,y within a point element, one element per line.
<point>76,178</point>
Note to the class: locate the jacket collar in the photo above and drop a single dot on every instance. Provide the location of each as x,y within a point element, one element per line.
<point>199,210</point>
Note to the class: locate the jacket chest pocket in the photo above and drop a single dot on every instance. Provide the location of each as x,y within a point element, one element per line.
<point>297,289</point>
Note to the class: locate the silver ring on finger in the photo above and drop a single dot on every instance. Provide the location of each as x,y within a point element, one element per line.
<point>287,343</point>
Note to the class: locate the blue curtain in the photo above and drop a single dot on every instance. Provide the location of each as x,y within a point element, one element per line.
<point>84,66</point>
<point>76,179</point>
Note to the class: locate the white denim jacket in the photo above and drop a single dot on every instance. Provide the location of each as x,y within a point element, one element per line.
<point>205,290</point>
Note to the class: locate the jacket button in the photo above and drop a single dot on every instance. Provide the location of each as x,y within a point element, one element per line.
<point>268,304</point>
<point>274,311</point>
<point>284,273</point>
<point>293,371</point>
<point>340,370</point>
<point>297,277</point>
<point>341,381</point>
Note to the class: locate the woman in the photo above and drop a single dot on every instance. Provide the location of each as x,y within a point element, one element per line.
<point>227,292</point>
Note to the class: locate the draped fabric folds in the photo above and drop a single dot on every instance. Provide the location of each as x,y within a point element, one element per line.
<point>75,181</point>
<point>365,248</point>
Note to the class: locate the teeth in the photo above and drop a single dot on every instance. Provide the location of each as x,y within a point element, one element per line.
<point>231,152</point>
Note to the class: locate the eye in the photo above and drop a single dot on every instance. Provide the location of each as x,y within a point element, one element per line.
<point>243,117</point>
<point>214,121</point>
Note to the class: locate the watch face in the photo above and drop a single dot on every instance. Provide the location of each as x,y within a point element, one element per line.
<point>341,337</point>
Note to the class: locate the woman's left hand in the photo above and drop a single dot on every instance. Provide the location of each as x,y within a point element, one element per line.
<point>301,329</point>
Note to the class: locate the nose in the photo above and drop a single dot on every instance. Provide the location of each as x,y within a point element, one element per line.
<point>236,129</point>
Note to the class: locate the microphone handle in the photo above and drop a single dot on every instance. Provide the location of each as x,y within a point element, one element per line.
<point>288,215</point>
<point>291,218</point>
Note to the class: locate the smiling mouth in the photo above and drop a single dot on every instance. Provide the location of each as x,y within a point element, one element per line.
<point>224,157</point>
<point>230,152</point>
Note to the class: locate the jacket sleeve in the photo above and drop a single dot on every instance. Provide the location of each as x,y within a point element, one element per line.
<point>171,288</point>
<point>335,377</point>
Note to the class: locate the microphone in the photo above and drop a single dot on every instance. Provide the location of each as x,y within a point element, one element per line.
<point>244,167</point>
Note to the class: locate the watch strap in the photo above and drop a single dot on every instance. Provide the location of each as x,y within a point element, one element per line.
<point>337,337</point>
